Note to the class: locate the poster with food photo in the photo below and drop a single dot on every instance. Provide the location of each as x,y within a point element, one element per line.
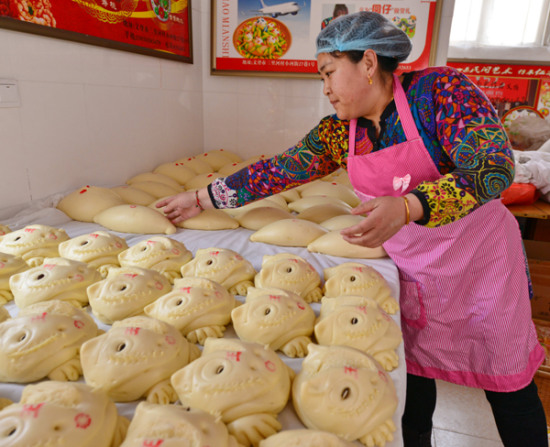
<point>277,37</point>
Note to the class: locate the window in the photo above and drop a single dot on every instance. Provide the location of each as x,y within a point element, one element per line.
<point>501,29</point>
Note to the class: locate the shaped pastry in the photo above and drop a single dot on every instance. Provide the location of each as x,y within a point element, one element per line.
<point>156,189</point>
<point>9,265</point>
<point>99,250</point>
<point>354,278</point>
<point>4,229</point>
<point>201,180</point>
<point>225,266</point>
<point>197,307</point>
<point>134,219</point>
<point>134,196</point>
<point>233,156</point>
<point>289,233</point>
<point>290,272</point>
<point>136,358</point>
<point>277,318</point>
<point>56,279</point>
<point>216,159</point>
<point>268,201</point>
<point>210,219</point>
<point>341,222</point>
<point>361,323</point>
<point>332,243</point>
<point>160,253</point>
<point>246,384</point>
<point>4,314</point>
<point>346,392</point>
<point>290,195</point>
<point>125,292</point>
<point>33,243</point>
<point>307,202</point>
<point>176,426</point>
<point>320,213</point>
<point>231,168</point>
<point>62,414</point>
<point>196,164</point>
<point>332,189</point>
<point>84,203</point>
<point>44,341</point>
<point>154,177</point>
<point>305,438</point>
<point>177,171</point>
<point>259,217</point>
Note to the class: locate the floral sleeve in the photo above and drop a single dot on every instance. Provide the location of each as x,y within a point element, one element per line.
<point>471,134</point>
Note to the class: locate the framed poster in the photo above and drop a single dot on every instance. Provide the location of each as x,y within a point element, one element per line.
<point>160,28</point>
<point>277,37</point>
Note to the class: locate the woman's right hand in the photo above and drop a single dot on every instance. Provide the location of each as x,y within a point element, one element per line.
<point>184,205</point>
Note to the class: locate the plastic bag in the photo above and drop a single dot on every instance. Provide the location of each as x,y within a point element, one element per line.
<point>528,132</point>
<point>520,194</point>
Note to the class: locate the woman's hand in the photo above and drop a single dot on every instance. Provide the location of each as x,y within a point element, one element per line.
<point>184,205</point>
<point>385,217</point>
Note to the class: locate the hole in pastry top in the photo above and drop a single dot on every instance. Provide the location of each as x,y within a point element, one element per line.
<point>40,276</point>
<point>209,262</point>
<point>346,392</point>
<point>122,287</point>
<point>267,311</point>
<point>352,278</point>
<point>21,336</point>
<point>10,431</point>
<point>220,369</point>
<point>84,243</point>
<point>120,347</point>
<point>289,269</point>
<point>354,320</point>
<point>144,248</point>
<point>179,302</point>
<point>17,238</point>
<point>57,428</point>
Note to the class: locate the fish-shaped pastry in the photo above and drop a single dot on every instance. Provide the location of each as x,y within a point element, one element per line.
<point>160,253</point>
<point>135,358</point>
<point>198,307</point>
<point>53,413</point>
<point>44,341</point>
<point>54,279</point>
<point>305,438</point>
<point>346,392</point>
<point>246,384</point>
<point>354,278</point>
<point>33,243</point>
<point>225,266</point>
<point>9,265</point>
<point>99,250</point>
<point>361,323</point>
<point>275,317</point>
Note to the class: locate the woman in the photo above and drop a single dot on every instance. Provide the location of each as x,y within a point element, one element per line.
<point>339,10</point>
<point>429,158</point>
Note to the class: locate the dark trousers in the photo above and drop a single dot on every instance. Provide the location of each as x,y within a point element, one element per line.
<point>519,415</point>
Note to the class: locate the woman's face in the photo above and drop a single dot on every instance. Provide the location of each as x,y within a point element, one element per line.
<point>345,84</point>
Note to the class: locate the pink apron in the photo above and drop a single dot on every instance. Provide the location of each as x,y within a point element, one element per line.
<point>465,309</point>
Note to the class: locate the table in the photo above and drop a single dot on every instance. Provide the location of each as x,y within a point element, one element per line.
<point>531,213</point>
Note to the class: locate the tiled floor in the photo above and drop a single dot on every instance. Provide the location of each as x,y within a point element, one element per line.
<point>463,418</point>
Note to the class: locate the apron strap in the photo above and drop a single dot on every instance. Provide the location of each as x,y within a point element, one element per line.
<point>351,139</point>
<point>404,111</point>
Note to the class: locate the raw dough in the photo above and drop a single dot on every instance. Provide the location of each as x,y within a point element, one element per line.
<point>44,341</point>
<point>290,195</point>
<point>196,164</point>
<point>332,189</point>
<point>225,266</point>
<point>332,243</point>
<point>154,177</point>
<point>346,392</point>
<point>4,229</point>
<point>216,159</point>
<point>33,243</point>
<point>160,253</point>
<point>135,358</point>
<point>246,384</point>
<point>210,219</point>
<point>268,201</point>
<point>84,203</point>
<point>290,272</point>
<point>233,156</point>
<point>179,172</point>
<point>321,213</point>
<point>197,307</point>
<point>99,250</point>
<point>231,168</point>
<point>305,438</point>
<point>62,414</point>
<point>354,278</point>
<point>156,189</point>
<point>259,217</point>
<point>125,292</point>
<point>135,219</point>
<point>157,425</point>
<point>9,265</point>
<point>361,323</point>
<point>289,233</point>
<point>56,279</point>
<point>341,222</point>
<point>277,318</point>
<point>134,196</point>
<point>306,202</point>
<point>201,180</point>
<point>4,315</point>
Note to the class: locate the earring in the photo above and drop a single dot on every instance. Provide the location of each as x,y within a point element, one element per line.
<point>370,80</point>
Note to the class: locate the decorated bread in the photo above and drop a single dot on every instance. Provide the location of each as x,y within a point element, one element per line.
<point>156,425</point>
<point>9,265</point>
<point>321,213</point>
<point>217,159</point>
<point>62,414</point>
<point>332,189</point>
<point>125,292</point>
<point>231,168</point>
<point>196,164</point>
<point>233,156</point>
<point>33,243</point>
<point>346,392</point>
<point>210,219</point>
<point>134,196</point>
<point>154,177</point>
<point>305,438</point>
<point>84,203</point>
<point>361,323</point>
<point>44,341</point>
<point>177,171</point>
<point>354,278</point>
<point>277,318</point>
<point>224,266</point>
<point>246,384</point>
<point>201,180</point>
<point>4,229</point>
<point>99,250</point>
<point>289,233</point>
<point>160,253</point>
<point>135,358</point>
<point>332,243</point>
<point>135,219</point>
<point>341,222</point>
<point>290,272</point>
<point>56,279</point>
<point>261,216</point>
<point>197,307</point>
<point>267,202</point>
<point>290,195</point>
<point>4,314</point>
<point>309,201</point>
<point>156,189</point>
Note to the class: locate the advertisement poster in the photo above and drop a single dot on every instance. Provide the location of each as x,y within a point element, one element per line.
<point>277,37</point>
<point>160,28</point>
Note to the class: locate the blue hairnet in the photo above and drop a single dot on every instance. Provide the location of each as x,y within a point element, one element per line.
<point>362,31</point>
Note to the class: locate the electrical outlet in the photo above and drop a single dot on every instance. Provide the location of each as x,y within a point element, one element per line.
<point>9,93</point>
